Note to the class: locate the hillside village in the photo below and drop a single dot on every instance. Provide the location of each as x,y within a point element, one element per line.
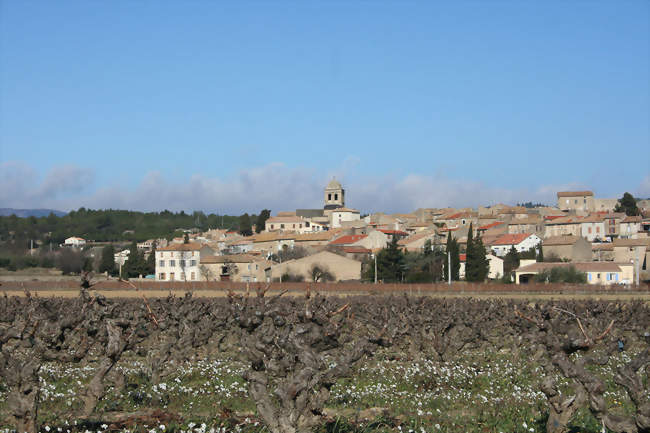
<point>582,231</point>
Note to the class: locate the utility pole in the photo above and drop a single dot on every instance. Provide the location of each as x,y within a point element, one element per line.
<point>636,271</point>
<point>449,267</point>
<point>31,247</point>
<point>375,268</point>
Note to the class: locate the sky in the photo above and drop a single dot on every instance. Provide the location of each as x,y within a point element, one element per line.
<point>233,107</point>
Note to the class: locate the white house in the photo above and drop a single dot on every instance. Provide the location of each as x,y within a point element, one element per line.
<point>495,264</point>
<point>75,242</point>
<point>521,242</point>
<point>180,262</point>
<point>121,257</point>
<point>292,223</point>
<point>630,226</point>
<point>341,214</point>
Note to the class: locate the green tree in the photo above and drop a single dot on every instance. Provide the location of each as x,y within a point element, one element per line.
<point>261,220</point>
<point>135,265</point>
<point>390,263</point>
<point>561,275</point>
<point>452,250</point>
<point>186,238</point>
<point>107,264</point>
<point>627,204</point>
<point>151,261</point>
<point>510,261</point>
<point>540,254</point>
<point>245,225</point>
<point>477,266</point>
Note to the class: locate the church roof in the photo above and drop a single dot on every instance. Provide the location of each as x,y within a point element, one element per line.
<point>334,184</point>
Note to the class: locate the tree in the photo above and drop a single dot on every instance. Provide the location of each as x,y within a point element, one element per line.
<point>453,250</point>
<point>510,261</point>
<point>320,273</point>
<point>245,225</point>
<point>477,266</point>
<point>627,204</point>
<point>186,238</point>
<point>261,220</point>
<point>390,263</point>
<point>540,254</point>
<point>107,263</point>
<point>135,265</point>
<point>151,261</point>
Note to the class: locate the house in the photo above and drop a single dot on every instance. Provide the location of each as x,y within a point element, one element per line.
<point>602,252</point>
<point>635,252</point>
<point>74,241</point>
<point>319,239</point>
<point>496,266</point>
<point>270,243</point>
<point>416,241</point>
<point>121,257</point>
<point>342,268</point>
<point>240,245</point>
<point>180,262</point>
<point>613,223</point>
<point>236,267</point>
<point>529,224</point>
<point>294,223</point>
<point>569,225</point>
<point>567,247</point>
<point>521,242</point>
<point>630,226</point>
<point>342,214</point>
<point>582,201</point>
<point>375,240</point>
<point>593,227</point>
<point>458,219</point>
<point>495,227</point>
<point>601,273</point>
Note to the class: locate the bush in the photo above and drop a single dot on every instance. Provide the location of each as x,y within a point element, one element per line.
<point>561,275</point>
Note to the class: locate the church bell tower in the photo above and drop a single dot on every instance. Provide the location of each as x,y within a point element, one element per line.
<point>334,195</point>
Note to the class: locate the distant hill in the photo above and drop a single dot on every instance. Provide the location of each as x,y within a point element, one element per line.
<point>25,213</point>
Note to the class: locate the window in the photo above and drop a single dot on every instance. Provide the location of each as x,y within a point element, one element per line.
<point>589,276</point>
<point>598,276</point>
<point>281,226</point>
<point>257,267</point>
<point>171,276</point>
<point>193,263</point>
<point>575,201</point>
<point>271,226</point>
<point>182,263</point>
<point>597,229</point>
<point>161,276</point>
<point>249,266</point>
<point>172,263</point>
<point>336,196</point>
<point>609,277</point>
<point>329,196</point>
<point>294,226</point>
<point>193,276</point>
<point>161,263</point>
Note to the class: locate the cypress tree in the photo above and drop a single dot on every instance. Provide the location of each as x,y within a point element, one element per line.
<point>107,264</point>
<point>477,266</point>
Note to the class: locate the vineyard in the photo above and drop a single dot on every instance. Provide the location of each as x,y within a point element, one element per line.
<point>260,360</point>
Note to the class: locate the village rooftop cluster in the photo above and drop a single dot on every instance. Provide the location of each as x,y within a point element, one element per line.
<point>581,231</point>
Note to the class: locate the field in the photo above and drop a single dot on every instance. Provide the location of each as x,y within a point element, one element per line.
<point>339,364</point>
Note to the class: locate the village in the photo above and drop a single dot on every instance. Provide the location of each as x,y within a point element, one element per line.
<point>336,242</point>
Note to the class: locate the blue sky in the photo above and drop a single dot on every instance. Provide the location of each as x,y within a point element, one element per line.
<point>237,106</point>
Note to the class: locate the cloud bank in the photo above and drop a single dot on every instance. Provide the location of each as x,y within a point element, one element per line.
<point>273,186</point>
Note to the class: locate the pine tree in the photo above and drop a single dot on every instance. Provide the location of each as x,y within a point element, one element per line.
<point>477,266</point>
<point>245,225</point>
<point>107,263</point>
<point>627,204</point>
<point>390,263</point>
<point>453,251</point>
<point>261,220</point>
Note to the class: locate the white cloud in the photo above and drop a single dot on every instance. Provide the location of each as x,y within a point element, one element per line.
<point>644,188</point>
<point>274,186</point>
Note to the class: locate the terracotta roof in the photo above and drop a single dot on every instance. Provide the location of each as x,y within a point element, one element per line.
<point>580,266</point>
<point>605,246</point>
<point>565,220</point>
<point>553,217</point>
<point>593,219</point>
<point>356,250</point>
<point>632,242</point>
<point>325,235</point>
<point>284,219</point>
<point>393,232</point>
<point>491,225</point>
<point>231,258</point>
<point>560,240</point>
<point>463,257</point>
<point>192,246</point>
<point>574,193</point>
<point>511,239</point>
<point>488,240</point>
<point>348,239</point>
<point>272,236</point>
<point>415,237</point>
<point>632,219</point>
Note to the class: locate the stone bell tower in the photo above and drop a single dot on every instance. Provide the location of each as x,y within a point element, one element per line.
<point>334,195</point>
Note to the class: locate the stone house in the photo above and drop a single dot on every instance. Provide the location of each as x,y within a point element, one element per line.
<point>180,262</point>
<point>342,268</point>
<point>569,225</point>
<point>600,273</point>
<point>630,226</point>
<point>567,247</point>
<point>521,242</point>
<point>236,267</point>
<point>577,201</point>
<point>592,227</point>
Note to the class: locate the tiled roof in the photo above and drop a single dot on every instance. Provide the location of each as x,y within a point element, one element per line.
<point>491,225</point>
<point>574,193</point>
<point>415,237</point>
<point>356,250</point>
<point>593,219</point>
<point>565,220</point>
<point>231,258</point>
<point>348,239</point>
<point>605,246</point>
<point>580,266</point>
<point>511,239</point>
<point>318,236</point>
<point>393,232</point>
<point>560,240</point>
<point>632,242</point>
<point>284,219</point>
<point>192,246</point>
<point>272,236</point>
<point>632,219</point>
<point>463,257</point>
<point>345,209</point>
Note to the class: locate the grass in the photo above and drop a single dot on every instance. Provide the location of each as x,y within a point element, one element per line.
<point>477,393</point>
